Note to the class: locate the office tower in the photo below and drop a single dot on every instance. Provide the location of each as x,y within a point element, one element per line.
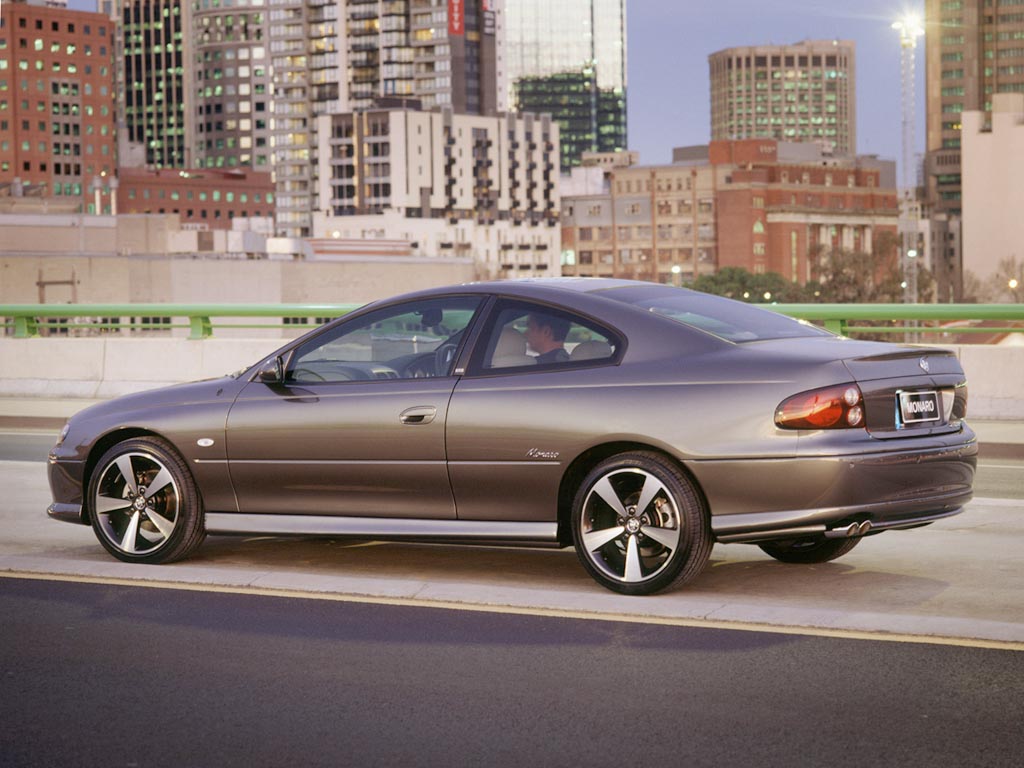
<point>154,42</point>
<point>56,102</point>
<point>568,59</point>
<point>800,92</point>
<point>974,49</point>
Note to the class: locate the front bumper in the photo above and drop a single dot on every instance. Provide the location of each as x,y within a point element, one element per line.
<point>67,513</point>
<point>65,479</point>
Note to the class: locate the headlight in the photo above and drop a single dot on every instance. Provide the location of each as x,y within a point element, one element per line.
<point>64,432</point>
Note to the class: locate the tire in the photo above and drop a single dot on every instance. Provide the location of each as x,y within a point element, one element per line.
<point>154,516</point>
<point>639,525</point>
<point>812,549</point>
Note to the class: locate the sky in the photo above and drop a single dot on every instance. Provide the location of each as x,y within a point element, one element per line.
<point>667,48</point>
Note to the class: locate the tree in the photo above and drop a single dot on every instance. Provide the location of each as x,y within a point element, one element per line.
<point>738,283</point>
<point>842,276</point>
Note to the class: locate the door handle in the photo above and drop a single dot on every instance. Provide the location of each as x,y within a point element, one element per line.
<point>418,414</point>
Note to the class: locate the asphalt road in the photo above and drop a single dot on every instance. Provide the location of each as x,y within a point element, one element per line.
<point>100,675</point>
<point>996,478</point>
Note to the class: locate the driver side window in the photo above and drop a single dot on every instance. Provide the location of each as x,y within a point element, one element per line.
<point>417,339</point>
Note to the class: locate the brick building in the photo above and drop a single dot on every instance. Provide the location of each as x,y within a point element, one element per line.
<point>758,204</point>
<point>202,196</point>
<point>56,102</point>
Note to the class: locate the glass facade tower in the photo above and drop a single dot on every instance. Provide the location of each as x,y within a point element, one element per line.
<point>568,58</point>
<point>154,40</point>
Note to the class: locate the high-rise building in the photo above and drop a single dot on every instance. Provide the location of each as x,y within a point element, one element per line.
<point>57,120</point>
<point>154,45</point>
<point>800,92</point>
<point>974,49</point>
<point>568,59</point>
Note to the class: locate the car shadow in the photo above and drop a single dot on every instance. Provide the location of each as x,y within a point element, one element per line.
<point>734,573</point>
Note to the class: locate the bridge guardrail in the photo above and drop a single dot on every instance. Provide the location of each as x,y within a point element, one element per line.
<point>28,320</point>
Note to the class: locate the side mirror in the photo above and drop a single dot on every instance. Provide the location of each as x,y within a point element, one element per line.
<point>272,372</point>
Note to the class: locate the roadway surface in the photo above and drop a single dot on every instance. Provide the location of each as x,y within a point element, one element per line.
<point>271,651</point>
<point>105,675</point>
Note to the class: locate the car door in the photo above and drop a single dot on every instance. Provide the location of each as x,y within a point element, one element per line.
<point>354,421</point>
<point>535,393</point>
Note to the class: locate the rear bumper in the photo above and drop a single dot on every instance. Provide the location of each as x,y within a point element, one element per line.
<point>761,500</point>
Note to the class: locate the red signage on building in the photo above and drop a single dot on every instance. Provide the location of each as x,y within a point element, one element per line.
<point>456,17</point>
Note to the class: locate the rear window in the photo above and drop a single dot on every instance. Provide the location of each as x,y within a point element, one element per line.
<point>727,319</point>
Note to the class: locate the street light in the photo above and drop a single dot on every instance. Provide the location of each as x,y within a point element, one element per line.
<point>1012,284</point>
<point>677,276</point>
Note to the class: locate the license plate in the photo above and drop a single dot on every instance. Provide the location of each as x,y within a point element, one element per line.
<point>919,407</point>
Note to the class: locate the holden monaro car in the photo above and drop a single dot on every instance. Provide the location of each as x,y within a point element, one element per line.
<point>638,423</point>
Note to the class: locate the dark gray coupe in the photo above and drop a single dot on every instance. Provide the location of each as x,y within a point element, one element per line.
<point>639,423</point>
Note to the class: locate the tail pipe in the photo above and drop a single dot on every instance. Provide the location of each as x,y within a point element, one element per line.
<point>849,531</point>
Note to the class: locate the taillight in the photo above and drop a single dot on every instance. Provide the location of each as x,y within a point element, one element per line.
<point>840,407</point>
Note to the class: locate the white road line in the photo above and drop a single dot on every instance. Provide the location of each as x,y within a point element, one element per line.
<point>845,634</point>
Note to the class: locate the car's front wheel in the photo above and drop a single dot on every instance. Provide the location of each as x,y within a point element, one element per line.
<point>143,503</point>
<point>639,525</point>
<point>811,549</point>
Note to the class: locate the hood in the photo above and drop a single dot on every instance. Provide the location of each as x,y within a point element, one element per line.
<point>191,393</point>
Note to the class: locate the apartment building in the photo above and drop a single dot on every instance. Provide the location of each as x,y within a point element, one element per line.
<point>445,182</point>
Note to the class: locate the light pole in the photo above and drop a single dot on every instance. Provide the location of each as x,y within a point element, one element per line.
<point>677,276</point>
<point>1012,284</point>
<point>910,29</point>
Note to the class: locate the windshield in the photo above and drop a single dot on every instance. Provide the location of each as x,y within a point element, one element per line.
<point>727,319</point>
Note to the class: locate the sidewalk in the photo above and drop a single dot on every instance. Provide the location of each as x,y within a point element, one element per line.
<point>998,439</point>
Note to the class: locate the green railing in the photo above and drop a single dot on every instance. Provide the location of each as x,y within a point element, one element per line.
<point>916,320</point>
<point>29,319</point>
<point>909,318</point>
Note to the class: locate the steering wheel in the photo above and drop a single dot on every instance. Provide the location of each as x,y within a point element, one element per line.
<point>443,357</point>
<point>420,367</point>
<point>305,374</point>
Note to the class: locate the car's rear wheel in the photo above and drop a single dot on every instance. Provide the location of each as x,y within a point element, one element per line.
<point>143,503</point>
<point>639,525</point>
<point>810,549</point>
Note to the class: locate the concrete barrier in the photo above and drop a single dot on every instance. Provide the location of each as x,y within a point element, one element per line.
<point>104,367</point>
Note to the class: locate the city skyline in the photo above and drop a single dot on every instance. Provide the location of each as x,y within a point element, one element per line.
<point>663,36</point>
